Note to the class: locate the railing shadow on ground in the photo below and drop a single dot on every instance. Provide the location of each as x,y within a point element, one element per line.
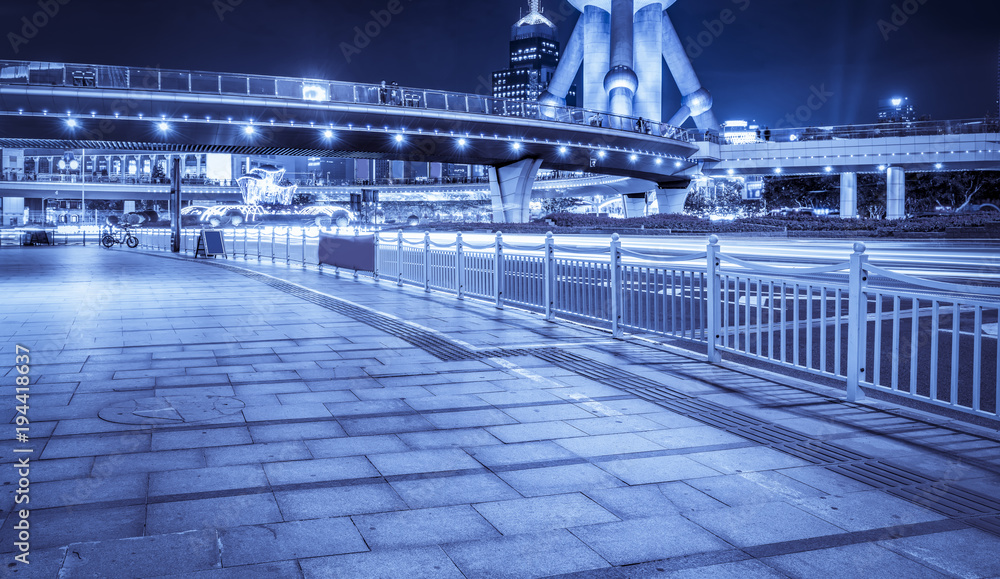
<point>853,322</point>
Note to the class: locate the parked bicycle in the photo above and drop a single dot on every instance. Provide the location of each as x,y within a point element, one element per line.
<point>122,237</point>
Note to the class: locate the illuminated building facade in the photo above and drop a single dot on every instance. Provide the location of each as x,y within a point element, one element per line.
<point>895,110</point>
<point>534,56</point>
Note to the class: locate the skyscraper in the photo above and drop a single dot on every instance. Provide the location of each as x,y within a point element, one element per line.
<point>534,55</point>
<point>895,110</point>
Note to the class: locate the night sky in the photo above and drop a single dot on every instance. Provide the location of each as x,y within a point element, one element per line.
<point>763,65</point>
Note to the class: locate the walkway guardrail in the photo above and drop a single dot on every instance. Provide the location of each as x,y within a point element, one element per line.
<point>316,90</point>
<point>851,321</point>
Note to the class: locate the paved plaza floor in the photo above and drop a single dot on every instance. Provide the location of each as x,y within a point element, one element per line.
<point>235,419</point>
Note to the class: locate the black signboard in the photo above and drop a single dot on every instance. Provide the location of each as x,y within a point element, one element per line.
<point>348,252</point>
<point>210,244</point>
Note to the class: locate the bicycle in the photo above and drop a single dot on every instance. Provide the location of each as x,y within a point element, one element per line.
<point>124,237</point>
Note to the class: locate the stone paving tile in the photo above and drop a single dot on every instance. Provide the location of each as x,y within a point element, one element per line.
<point>534,431</point>
<point>293,540</point>
<point>421,527</point>
<point>81,491</point>
<point>338,501</point>
<point>866,510</point>
<point>256,453</point>
<point>355,445</point>
<point>651,500</point>
<point>297,431</point>
<point>172,440</point>
<point>211,513</point>
<point>201,480</point>
<point>641,540</point>
<point>418,563</point>
<point>58,527</point>
<point>750,569</point>
<point>96,445</point>
<point>692,437</point>
<point>547,413</point>
<point>286,412</point>
<point>455,438</point>
<point>762,524</point>
<point>609,444</point>
<point>532,515</point>
<point>535,554</point>
<point>116,464</point>
<point>825,480</point>
<point>469,418</point>
<point>423,461</point>
<point>559,479</point>
<point>521,453</point>
<point>144,556</point>
<point>317,470</point>
<point>963,553</point>
<point>865,561</point>
<point>637,471</point>
<point>385,425</point>
<point>454,490</point>
<point>615,424</point>
<point>275,570</point>
<point>61,468</point>
<point>754,487</point>
<point>746,460</point>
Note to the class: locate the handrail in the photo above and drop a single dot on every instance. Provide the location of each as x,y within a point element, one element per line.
<point>516,247</point>
<point>784,270</point>
<point>662,259</point>
<point>581,251</point>
<point>938,285</point>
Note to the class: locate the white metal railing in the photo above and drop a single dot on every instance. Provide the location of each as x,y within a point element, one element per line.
<point>851,321</point>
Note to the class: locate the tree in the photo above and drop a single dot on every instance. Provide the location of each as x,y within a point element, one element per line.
<point>559,204</point>
<point>725,197</point>
<point>302,199</point>
<point>955,191</point>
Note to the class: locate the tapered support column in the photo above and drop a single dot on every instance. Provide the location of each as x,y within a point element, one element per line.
<point>671,200</point>
<point>697,101</point>
<point>895,198</point>
<point>648,47</point>
<point>848,195</point>
<point>569,65</point>
<point>597,47</point>
<point>635,204</point>
<point>510,188</point>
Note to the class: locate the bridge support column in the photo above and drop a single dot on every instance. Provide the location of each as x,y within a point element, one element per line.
<point>671,200</point>
<point>597,59</point>
<point>895,197</point>
<point>848,195</point>
<point>175,204</point>
<point>635,204</point>
<point>510,190</point>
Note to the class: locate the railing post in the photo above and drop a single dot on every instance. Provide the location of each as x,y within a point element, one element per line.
<point>714,305</point>
<point>427,261</point>
<point>399,259</point>
<point>303,248</point>
<point>616,289</point>
<point>288,245</point>
<point>244,244</point>
<point>498,271</point>
<point>857,325</point>
<point>548,277</point>
<point>272,245</point>
<point>459,266</point>
<point>258,244</point>
<point>378,257</point>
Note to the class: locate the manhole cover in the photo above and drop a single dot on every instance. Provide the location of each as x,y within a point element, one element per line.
<point>171,409</point>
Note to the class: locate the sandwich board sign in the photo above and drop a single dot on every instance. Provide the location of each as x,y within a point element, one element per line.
<point>210,244</point>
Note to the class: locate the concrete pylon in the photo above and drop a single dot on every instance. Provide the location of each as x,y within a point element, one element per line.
<point>510,190</point>
<point>895,197</point>
<point>670,200</point>
<point>635,204</point>
<point>848,195</point>
<point>623,44</point>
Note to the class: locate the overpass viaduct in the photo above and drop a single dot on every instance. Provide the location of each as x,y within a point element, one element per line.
<point>58,105</point>
<point>893,149</point>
